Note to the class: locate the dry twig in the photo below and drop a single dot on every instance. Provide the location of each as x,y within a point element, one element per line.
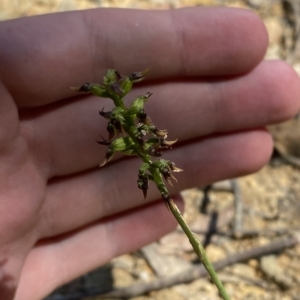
<point>193,273</point>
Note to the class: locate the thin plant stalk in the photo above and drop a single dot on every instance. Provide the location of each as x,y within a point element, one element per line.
<point>132,132</point>
<point>199,250</point>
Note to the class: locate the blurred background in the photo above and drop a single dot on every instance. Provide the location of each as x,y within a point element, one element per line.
<point>257,215</point>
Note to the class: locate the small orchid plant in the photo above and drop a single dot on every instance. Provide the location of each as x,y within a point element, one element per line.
<point>131,132</point>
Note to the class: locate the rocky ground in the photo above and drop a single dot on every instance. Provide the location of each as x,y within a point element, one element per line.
<point>252,221</point>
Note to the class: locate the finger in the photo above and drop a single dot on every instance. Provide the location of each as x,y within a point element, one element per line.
<point>65,136</point>
<point>81,199</point>
<point>57,261</point>
<point>9,119</point>
<point>45,55</point>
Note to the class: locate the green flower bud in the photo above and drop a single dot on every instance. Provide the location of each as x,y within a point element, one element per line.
<point>137,106</point>
<point>126,86</point>
<point>157,164</point>
<point>124,145</point>
<point>121,144</point>
<point>118,113</point>
<point>117,119</point>
<point>99,90</point>
<point>111,77</point>
<point>144,167</point>
<point>112,82</point>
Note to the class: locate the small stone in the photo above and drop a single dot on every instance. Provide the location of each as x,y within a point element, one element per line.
<point>270,266</point>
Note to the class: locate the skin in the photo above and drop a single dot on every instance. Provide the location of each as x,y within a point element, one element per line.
<point>61,215</point>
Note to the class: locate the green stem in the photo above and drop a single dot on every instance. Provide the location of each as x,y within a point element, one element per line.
<point>198,248</point>
<point>157,178</point>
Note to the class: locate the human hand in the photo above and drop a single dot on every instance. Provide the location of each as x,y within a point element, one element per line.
<point>61,215</point>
